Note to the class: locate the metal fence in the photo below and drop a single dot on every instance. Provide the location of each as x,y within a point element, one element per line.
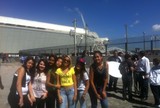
<point>134,44</point>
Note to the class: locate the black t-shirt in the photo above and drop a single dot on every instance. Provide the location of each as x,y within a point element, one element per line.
<point>99,75</point>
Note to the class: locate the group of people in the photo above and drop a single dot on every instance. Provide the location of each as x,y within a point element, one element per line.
<point>137,67</point>
<point>55,83</point>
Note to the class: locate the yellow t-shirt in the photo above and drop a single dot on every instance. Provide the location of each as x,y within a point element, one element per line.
<point>66,78</point>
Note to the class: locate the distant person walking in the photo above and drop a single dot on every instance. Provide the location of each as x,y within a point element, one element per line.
<point>136,75</point>
<point>113,80</point>
<point>126,69</point>
<point>18,95</point>
<point>143,67</point>
<point>98,81</point>
<point>154,77</point>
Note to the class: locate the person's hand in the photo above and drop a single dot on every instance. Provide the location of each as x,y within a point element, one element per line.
<point>44,96</point>
<point>60,100</point>
<point>30,100</point>
<point>57,86</point>
<point>98,96</point>
<point>74,98</point>
<point>33,98</point>
<point>21,102</point>
<point>104,95</point>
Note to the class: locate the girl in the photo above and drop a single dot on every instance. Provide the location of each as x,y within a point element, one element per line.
<point>39,93</point>
<point>66,78</point>
<point>82,82</point>
<point>98,79</point>
<point>17,97</point>
<point>52,84</point>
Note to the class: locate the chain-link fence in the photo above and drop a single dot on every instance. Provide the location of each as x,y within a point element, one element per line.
<point>149,43</point>
<point>135,44</point>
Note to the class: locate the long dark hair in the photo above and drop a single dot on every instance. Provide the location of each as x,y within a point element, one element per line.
<point>26,60</point>
<point>31,71</point>
<point>45,63</point>
<point>82,70</point>
<point>55,59</point>
<point>94,55</point>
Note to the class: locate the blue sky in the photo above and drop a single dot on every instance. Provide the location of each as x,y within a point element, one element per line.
<point>106,17</point>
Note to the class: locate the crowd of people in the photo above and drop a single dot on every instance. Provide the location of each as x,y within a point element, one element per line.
<point>56,83</point>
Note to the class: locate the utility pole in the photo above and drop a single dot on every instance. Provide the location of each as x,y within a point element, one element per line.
<point>126,43</point>
<point>144,46</point>
<point>75,37</point>
<point>85,28</point>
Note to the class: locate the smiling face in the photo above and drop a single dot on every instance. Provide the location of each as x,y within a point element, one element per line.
<point>51,61</point>
<point>66,62</point>
<point>59,62</point>
<point>97,57</point>
<point>29,64</point>
<point>41,66</point>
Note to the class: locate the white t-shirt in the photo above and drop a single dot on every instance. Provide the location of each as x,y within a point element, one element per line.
<point>39,85</point>
<point>81,82</point>
<point>155,76</point>
<point>25,89</point>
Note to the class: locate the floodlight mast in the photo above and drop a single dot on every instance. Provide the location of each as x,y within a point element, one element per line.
<point>85,27</point>
<point>75,37</point>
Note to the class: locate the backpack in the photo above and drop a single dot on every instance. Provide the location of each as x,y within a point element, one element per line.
<point>124,68</point>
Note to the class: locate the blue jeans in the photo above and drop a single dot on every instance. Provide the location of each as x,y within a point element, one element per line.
<point>80,99</point>
<point>104,102</point>
<point>67,98</point>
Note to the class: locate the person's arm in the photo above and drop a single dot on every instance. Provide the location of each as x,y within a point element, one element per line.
<point>86,86</point>
<point>91,77</point>
<point>58,89</point>
<point>75,87</point>
<point>147,65</point>
<point>31,96</point>
<point>20,73</point>
<point>105,82</point>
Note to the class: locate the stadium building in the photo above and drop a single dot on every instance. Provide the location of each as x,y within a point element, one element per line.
<point>25,36</point>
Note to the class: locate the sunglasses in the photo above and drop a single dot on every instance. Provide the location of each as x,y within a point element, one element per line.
<point>66,61</point>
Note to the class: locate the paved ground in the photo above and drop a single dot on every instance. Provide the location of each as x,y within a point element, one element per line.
<point>115,99</point>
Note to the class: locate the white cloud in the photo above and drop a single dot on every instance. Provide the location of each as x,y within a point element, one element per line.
<point>156,27</point>
<point>68,9</point>
<point>135,23</point>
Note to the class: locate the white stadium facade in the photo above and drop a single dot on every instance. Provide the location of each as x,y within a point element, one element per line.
<point>37,37</point>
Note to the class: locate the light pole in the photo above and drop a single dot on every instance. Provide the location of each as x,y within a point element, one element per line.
<point>126,43</point>
<point>85,28</point>
<point>144,46</point>
<point>75,37</point>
